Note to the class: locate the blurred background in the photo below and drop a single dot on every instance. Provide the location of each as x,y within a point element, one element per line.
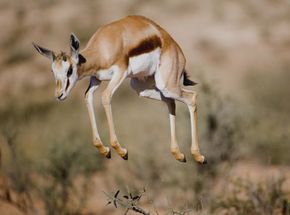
<point>239,54</point>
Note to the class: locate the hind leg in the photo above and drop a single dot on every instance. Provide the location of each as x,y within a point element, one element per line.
<point>174,145</point>
<point>147,89</point>
<point>189,98</point>
<point>168,80</point>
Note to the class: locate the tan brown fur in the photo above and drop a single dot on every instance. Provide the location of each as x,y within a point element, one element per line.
<point>118,39</point>
<point>110,55</point>
<point>62,57</point>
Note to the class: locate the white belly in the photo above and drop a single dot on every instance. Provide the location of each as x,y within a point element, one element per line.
<point>140,66</point>
<point>107,74</point>
<point>144,65</point>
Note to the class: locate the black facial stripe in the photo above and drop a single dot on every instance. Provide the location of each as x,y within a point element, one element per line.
<point>69,72</point>
<point>67,84</point>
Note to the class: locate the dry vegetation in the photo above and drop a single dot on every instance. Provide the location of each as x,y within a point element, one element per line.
<point>238,52</point>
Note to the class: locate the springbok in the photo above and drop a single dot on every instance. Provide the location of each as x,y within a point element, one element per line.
<point>133,47</point>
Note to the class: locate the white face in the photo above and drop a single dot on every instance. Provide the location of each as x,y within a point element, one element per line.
<point>64,67</point>
<point>65,73</point>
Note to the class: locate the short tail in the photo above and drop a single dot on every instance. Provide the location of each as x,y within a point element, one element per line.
<point>187,81</point>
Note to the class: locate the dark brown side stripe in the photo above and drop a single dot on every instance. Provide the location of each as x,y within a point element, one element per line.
<point>147,45</point>
<point>67,84</point>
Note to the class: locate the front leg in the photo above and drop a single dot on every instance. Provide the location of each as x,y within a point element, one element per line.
<point>115,82</point>
<point>89,97</point>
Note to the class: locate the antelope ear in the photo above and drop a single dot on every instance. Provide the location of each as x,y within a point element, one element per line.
<point>45,52</point>
<point>74,45</point>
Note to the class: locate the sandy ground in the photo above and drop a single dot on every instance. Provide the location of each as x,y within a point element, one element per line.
<point>222,40</point>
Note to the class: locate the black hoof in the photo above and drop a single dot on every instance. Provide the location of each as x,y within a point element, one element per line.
<point>125,157</point>
<point>108,155</point>
<point>203,163</point>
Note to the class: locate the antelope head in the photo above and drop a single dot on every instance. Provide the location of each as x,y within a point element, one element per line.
<point>64,67</point>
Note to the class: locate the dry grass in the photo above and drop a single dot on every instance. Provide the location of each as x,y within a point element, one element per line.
<point>238,52</point>
<point>266,197</point>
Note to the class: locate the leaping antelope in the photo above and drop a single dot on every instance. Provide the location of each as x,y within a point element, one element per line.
<point>133,47</point>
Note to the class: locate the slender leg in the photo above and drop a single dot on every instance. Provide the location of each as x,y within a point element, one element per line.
<point>147,89</point>
<point>115,82</point>
<point>89,97</point>
<point>168,77</point>
<point>174,146</point>
<point>189,98</point>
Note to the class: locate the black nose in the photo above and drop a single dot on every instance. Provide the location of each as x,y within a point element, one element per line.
<point>60,96</point>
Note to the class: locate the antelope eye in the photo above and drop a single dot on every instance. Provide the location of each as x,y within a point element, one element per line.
<point>69,72</point>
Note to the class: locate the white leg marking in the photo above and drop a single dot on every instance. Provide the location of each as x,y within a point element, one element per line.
<point>94,84</point>
<point>153,94</point>
<point>113,85</point>
<point>194,138</point>
<point>194,145</point>
<point>89,97</point>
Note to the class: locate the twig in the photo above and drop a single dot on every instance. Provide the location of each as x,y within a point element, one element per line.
<point>129,202</point>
